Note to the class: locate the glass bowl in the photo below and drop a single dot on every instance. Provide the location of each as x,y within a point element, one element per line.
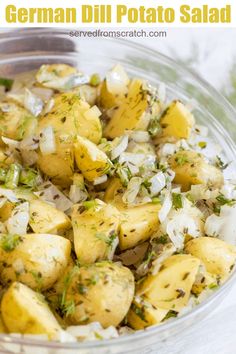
<point>25,50</point>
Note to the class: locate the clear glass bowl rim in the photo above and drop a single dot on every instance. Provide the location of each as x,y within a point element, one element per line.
<point>154,330</point>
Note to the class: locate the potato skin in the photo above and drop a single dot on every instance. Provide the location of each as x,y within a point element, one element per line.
<point>91,161</point>
<point>25,311</point>
<point>95,231</point>
<point>101,292</point>
<point>191,168</point>
<point>217,256</point>
<point>177,121</point>
<point>138,224</point>
<point>42,259</point>
<point>44,218</point>
<point>170,288</point>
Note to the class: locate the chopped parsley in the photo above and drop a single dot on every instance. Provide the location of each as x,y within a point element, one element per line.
<point>7,83</point>
<point>95,80</point>
<point>10,242</point>
<point>139,311</point>
<point>89,204</point>
<point>154,127</point>
<point>202,144</point>
<point>177,200</point>
<point>181,159</point>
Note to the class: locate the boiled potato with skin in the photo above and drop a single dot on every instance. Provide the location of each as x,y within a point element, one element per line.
<point>25,311</point>
<point>191,168</point>
<point>138,224</point>
<point>101,292</point>
<point>91,161</point>
<point>204,281</point>
<point>72,116</point>
<point>142,314</point>
<point>3,328</point>
<point>95,232</point>
<point>60,164</point>
<point>44,218</point>
<point>218,257</point>
<point>133,113</point>
<point>14,120</point>
<point>170,288</point>
<point>37,260</point>
<point>177,121</point>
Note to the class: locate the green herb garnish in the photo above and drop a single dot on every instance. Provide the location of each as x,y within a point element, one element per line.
<point>7,83</point>
<point>177,200</point>
<point>95,80</point>
<point>9,242</point>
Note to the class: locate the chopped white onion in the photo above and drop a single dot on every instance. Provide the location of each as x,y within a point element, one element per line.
<point>120,147</point>
<point>100,180</point>
<point>3,200</point>
<point>10,142</point>
<point>50,193</point>
<point>166,207</point>
<point>167,149</point>
<point>48,107</point>
<point>112,249</point>
<point>33,103</point>
<point>132,190</point>
<point>223,226</point>
<point>9,194</point>
<point>158,182</point>
<point>44,93</point>
<point>117,80</point>
<point>47,142</point>
<point>140,136</point>
<point>19,219</point>
<point>77,194</point>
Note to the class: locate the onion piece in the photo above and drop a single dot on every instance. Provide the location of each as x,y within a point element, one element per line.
<point>9,194</point>
<point>33,103</point>
<point>47,142</point>
<point>161,92</point>
<point>10,142</point>
<point>19,219</point>
<point>120,147</point>
<point>50,193</point>
<point>139,136</point>
<point>100,180</point>
<point>168,251</point>
<point>158,182</point>
<point>77,194</point>
<point>166,207</point>
<point>117,80</point>
<point>132,190</point>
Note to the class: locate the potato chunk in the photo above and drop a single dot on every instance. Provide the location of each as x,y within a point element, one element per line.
<point>71,116</point>
<point>45,218</point>
<point>114,192</point>
<point>143,314</point>
<point>15,121</point>
<point>170,288</point>
<point>191,168</point>
<point>60,164</point>
<point>218,257</point>
<point>36,260</point>
<point>177,121</point>
<point>101,292</point>
<point>95,232</point>
<point>132,114</point>
<point>138,224</point>
<point>25,311</point>
<point>91,161</point>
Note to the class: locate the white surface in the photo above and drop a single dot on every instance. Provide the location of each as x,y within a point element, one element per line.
<point>212,54</point>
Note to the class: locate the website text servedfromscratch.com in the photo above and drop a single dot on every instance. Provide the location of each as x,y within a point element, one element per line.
<point>118,33</point>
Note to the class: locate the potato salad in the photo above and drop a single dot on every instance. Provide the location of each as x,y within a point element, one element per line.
<point>115,210</point>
